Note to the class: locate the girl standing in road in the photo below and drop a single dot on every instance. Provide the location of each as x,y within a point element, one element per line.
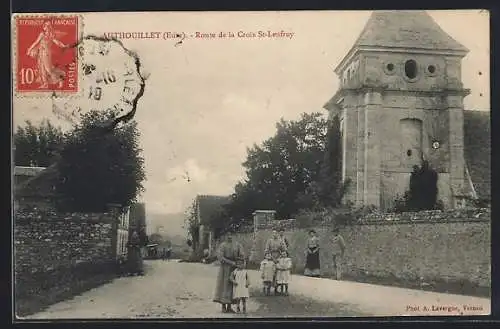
<point>283,274</point>
<point>241,282</point>
<point>267,273</point>
<point>312,255</point>
<point>229,252</point>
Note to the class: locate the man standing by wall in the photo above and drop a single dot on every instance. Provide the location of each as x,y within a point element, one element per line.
<point>338,245</point>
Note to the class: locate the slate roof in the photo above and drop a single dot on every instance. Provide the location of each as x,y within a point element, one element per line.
<point>406,29</point>
<point>477,150</point>
<point>42,184</point>
<point>27,171</point>
<point>210,204</point>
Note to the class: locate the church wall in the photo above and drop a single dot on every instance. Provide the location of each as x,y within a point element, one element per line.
<point>395,184</point>
<point>377,140</point>
<point>375,69</point>
<point>435,127</point>
<point>395,169</point>
<point>350,119</point>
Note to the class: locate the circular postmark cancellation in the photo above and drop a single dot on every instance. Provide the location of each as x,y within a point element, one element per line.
<point>111,81</point>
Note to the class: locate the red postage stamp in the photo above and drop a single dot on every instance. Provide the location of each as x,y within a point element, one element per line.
<point>46,54</point>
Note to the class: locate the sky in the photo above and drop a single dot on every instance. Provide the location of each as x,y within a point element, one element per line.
<point>207,100</point>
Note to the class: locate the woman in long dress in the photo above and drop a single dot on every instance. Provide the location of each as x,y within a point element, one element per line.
<point>135,255</point>
<point>275,246</point>
<point>229,252</point>
<point>41,50</point>
<point>312,267</point>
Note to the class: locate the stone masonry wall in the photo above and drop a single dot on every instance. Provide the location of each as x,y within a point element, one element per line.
<point>53,249</point>
<point>430,249</point>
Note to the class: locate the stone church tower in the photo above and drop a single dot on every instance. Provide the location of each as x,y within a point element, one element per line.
<point>400,101</point>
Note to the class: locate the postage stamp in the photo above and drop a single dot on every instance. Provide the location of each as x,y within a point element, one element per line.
<point>46,60</point>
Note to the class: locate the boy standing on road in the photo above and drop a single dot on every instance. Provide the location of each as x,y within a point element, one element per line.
<point>338,244</point>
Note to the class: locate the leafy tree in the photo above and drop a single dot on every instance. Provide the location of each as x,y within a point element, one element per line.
<point>98,166</point>
<point>281,168</point>
<point>37,145</point>
<point>328,189</point>
<point>192,226</point>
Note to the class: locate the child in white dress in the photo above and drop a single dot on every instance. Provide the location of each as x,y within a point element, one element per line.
<point>283,272</point>
<point>241,282</point>
<point>267,271</point>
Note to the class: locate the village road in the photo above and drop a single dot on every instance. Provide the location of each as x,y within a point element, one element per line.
<point>172,290</point>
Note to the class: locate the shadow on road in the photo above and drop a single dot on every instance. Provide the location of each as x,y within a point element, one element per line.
<point>296,305</point>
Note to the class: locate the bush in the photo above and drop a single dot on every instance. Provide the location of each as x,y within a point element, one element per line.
<point>481,203</point>
<point>363,211</point>
<point>304,218</point>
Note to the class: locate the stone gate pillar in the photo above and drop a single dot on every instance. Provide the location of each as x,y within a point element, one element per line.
<point>261,219</point>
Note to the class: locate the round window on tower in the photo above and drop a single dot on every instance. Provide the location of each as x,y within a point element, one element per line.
<point>431,70</point>
<point>411,69</point>
<point>389,68</point>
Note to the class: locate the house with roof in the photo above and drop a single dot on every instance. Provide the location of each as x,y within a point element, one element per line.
<point>206,207</point>
<point>35,186</point>
<point>400,103</point>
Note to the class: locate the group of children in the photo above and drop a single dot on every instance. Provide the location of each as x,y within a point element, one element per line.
<point>275,273</point>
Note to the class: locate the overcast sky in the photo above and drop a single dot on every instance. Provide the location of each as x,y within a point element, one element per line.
<point>207,100</point>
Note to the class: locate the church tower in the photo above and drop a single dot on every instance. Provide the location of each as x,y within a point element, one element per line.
<point>400,102</point>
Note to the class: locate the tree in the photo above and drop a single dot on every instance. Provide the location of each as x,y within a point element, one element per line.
<point>328,189</point>
<point>192,226</point>
<point>281,168</point>
<point>423,191</point>
<point>37,145</point>
<point>98,167</point>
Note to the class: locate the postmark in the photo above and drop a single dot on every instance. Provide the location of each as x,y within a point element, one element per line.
<point>111,80</point>
<point>45,59</point>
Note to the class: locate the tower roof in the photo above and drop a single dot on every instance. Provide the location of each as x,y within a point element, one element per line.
<point>405,30</point>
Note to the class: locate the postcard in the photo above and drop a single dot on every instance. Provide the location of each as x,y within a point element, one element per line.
<point>240,165</point>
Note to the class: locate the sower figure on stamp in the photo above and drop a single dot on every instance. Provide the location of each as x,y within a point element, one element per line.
<point>338,244</point>
<point>41,50</point>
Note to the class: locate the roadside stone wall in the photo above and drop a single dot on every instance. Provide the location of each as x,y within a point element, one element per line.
<point>53,249</point>
<point>422,247</point>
